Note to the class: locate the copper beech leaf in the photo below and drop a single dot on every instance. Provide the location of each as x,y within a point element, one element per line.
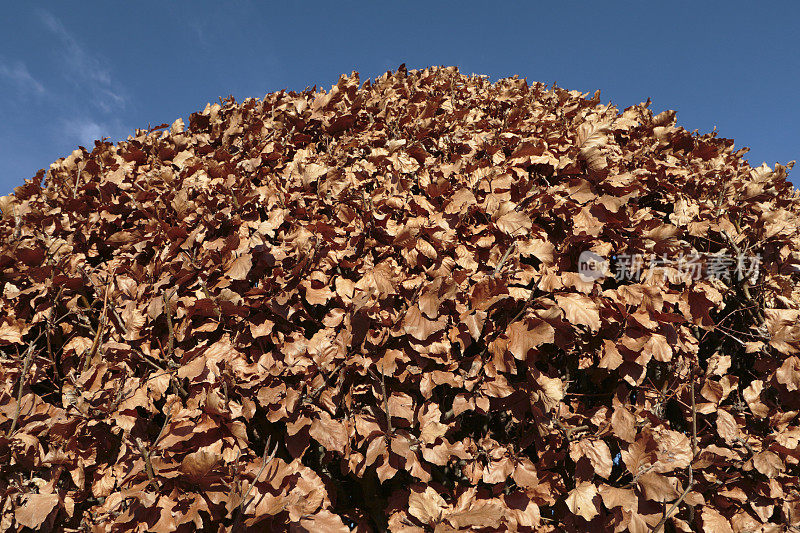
<point>427,506</point>
<point>580,500</point>
<point>580,309</point>
<point>419,327</point>
<point>240,267</point>
<point>596,451</point>
<point>525,335</point>
<point>35,509</point>
<point>199,464</point>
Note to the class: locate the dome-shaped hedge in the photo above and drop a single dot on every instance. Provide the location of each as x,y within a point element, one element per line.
<point>370,308</point>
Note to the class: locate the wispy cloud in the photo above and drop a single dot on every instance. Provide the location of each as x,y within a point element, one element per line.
<point>86,69</point>
<point>84,131</point>
<point>18,74</point>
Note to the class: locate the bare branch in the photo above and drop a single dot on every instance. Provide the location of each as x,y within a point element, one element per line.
<point>23,377</point>
<point>170,329</point>
<point>148,466</point>
<point>675,505</point>
<point>499,266</point>
<point>266,459</point>
<point>382,382</point>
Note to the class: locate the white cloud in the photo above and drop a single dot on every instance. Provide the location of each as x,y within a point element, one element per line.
<point>18,73</point>
<point>86,69</point>
<point>84,131</point>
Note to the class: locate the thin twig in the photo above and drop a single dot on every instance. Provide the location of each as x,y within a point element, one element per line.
<point>642,470</point>
<point>178,387</point>
<point>722,330</point>
<point>170,329</point>
<point>382,382</point>
<point>163,428</point>
<point>152,362</point>
<point>171,373</point>
<point>266,459</point>
<point>722,192</point>
<point>23,377</point>
<point>101,326</point>
<point>675,505</point>
<point>727,316</point>
<point>746,445</point>
<point>757,314</point>
<point>49,334</point>
<point>568,431</point>
<point>114,314</point>
<point>148,466</point>
<point>77,180</point>
<point>503,260</point>
<point>524,308</point>
<point>386,402</point>
<point>689,485</point>
<point>694,421</point>
<point>120,392</point>
<point>314,395</point>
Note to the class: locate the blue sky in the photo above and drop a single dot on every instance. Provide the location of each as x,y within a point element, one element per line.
<point>73,72</point>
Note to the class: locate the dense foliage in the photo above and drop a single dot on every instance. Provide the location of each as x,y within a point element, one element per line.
<point>362,309</point>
